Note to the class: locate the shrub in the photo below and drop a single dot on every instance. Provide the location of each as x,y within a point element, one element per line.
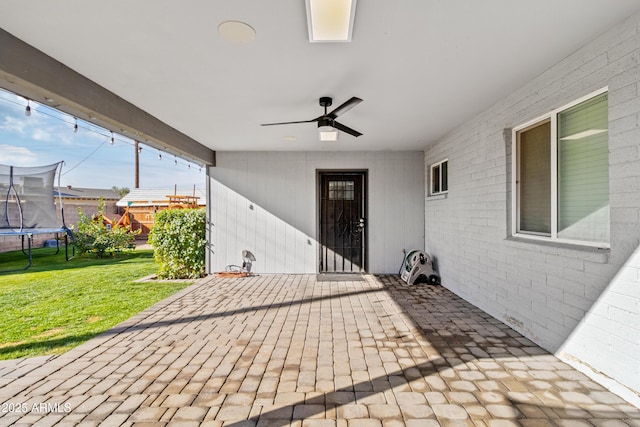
<point>178,238</point>
<point>93,236</point>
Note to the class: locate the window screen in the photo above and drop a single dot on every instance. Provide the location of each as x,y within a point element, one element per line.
<point>435,179</point>
<point>445,179</point>
<point>535,178</point>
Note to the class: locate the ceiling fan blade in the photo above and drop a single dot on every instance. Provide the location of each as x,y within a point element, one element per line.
<point>346,106</point>
<point>290,123</point>
<point>346,129</point>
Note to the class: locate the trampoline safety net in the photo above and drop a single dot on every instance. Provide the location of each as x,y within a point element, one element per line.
<point>27,199</point>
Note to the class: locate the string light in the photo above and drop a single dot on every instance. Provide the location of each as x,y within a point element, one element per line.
<point>77,124</point>
<point>139,150</point>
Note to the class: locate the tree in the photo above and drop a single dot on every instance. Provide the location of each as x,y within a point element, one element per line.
<point>122,191</point>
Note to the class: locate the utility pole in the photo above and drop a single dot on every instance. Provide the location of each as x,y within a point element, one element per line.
<point>137,172</point>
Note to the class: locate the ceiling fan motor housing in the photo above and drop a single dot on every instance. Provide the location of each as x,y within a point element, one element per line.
<point>325,121</point>
<point>326,101</point>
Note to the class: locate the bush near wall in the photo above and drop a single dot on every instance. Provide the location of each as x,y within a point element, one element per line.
<point>178,238</point>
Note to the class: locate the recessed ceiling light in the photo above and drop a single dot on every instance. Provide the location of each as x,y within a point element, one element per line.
<point>236,32</point>
<point>290,138</point>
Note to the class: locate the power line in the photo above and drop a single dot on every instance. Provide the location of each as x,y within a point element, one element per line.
<point>86,158</point>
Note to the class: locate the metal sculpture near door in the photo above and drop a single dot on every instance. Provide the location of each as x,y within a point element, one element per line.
<point>342,222</point>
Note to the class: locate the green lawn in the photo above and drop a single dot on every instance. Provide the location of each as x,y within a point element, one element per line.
<point>56,305</point>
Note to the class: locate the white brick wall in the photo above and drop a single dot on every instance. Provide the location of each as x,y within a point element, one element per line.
<point>581,303</point>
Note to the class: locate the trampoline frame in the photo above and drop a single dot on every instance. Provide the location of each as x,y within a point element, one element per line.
<point>28,233</point>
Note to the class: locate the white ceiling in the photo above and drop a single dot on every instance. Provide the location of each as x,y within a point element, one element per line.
<point>422,67</point>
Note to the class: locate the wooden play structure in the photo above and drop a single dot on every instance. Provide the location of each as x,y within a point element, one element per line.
<point>124,221</point>
<point>141,205</point>
<point>182,202</point>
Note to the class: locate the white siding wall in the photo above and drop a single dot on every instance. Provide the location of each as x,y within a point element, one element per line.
<point>583,304</point>
<point>266,202</point>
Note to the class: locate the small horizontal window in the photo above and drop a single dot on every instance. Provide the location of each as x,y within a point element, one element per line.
<point>439,177</point>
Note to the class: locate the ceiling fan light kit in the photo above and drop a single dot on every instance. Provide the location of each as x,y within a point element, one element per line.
<point>327,133</point>
<point>330,135</point>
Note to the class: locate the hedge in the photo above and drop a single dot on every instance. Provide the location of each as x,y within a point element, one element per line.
<point>178,238</point>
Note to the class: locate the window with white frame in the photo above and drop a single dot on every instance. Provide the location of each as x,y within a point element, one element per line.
<point>561,179</point>
<point>439,177</point>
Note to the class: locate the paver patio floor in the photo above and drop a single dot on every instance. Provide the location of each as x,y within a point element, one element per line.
<point>279,350</point>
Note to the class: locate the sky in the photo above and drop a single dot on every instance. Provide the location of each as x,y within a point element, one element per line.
<point>91,161</point>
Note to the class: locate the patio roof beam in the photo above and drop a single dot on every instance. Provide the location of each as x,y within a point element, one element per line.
<point>31,73</point>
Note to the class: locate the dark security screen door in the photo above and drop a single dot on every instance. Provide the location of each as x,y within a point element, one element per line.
<point>342,222</point>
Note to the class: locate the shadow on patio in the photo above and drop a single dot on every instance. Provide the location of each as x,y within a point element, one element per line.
<point>278,350</point>
<point>472,369</point>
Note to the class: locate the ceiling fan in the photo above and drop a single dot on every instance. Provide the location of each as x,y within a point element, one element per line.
<point>329,119</point>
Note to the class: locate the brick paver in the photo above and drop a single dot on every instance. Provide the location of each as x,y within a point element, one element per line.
<point>280,350</point>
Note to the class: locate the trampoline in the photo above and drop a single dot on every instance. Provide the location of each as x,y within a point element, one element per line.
<point>28,208</point>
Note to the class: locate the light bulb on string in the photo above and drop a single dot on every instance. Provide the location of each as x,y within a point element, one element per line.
<point>27,111</point>
<point>139,150</point>
<point>175,161</point>
<point>112,140</point>
<point>75,126</point>
<point>159,156</point>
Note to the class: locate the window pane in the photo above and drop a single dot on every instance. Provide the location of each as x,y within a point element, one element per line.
<point>535,179</point>
<point>583,171</point>
<point>445,178</point>
<point>435,179</point>
<point>341,190</point>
